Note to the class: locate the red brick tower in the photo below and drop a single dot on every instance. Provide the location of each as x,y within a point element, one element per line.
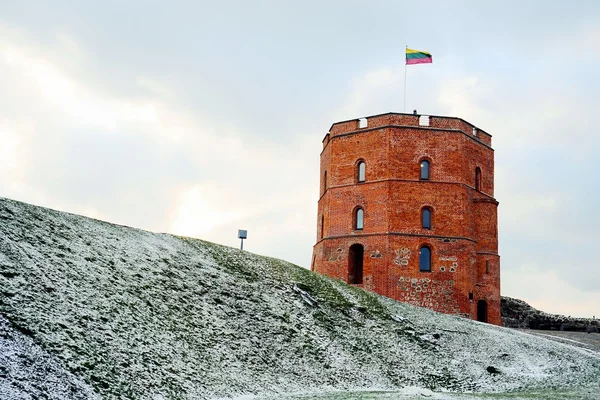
<point>407,210</point>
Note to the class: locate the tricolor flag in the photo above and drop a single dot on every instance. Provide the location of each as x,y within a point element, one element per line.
<point>417,57</point>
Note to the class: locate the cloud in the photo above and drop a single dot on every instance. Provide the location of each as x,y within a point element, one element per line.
<point>147,161</point>
<point>199,210</point>
<point>8,150</point>
<point>548,292</point>
<point>465,95</point>
<point>371,92</point>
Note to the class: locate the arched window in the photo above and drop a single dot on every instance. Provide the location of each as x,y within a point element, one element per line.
<point>325,182</point>
<point>477,179</point>
<point>361,171</point>
<point>359,219</point>
<point>424,170</point>
<point>425,259</point>
<point>355,264</point>
<point>426,218</point>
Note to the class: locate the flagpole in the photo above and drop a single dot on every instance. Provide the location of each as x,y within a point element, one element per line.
<point>405,79</point>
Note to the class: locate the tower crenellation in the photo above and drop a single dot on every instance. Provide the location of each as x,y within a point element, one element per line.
<point>407,210</point>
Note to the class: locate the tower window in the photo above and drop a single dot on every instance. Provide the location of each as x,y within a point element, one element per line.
<point>478,179</point>
<point>325,182</point>
<point>359,219</point>
<point>424,170</point>
<point>425,259</point>
<point>322,226</point>
<point>426,218</point>
<point>361,171</point>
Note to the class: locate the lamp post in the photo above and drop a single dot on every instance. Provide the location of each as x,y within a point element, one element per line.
<point>242,234</point>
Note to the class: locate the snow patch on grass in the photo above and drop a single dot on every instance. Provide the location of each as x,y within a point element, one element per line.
<point>28,372</point>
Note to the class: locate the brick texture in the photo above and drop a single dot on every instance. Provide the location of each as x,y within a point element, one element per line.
<point>465,265</point>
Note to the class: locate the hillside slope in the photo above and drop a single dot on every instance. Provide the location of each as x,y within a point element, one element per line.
<point>143,315</point>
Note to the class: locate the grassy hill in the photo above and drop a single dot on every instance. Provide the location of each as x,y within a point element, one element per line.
<point>132,314</point>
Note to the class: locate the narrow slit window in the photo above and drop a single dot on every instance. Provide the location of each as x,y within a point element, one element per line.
<point>426,218</point>
<point>359,219</point>
<point>322,226</point>
<point>362,171</point>
<point>425,170</point>
<point>478,179</point>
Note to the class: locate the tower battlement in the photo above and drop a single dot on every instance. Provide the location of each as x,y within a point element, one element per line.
<point>407,210</point>
<point>407,120</point>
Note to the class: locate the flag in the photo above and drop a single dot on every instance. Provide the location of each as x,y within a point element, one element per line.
<point>418,57</point>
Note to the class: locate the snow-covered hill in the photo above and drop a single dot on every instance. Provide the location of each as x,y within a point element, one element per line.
<point>140,315</point>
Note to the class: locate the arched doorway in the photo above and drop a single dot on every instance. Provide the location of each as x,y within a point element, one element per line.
<point>482,311</point>
<point>355,264</point>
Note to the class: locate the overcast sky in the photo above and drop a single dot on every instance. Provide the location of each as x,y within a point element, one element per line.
<point>202,117</point>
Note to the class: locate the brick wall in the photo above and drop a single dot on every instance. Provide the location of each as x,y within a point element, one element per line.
<point>463,235</point>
